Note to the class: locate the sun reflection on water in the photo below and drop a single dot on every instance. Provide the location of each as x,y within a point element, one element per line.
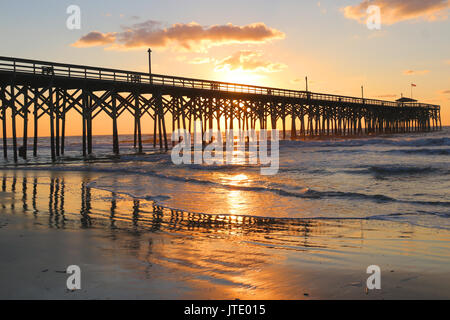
<point>239,178</point>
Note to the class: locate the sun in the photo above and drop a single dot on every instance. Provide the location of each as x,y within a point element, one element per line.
<point>241,76</point>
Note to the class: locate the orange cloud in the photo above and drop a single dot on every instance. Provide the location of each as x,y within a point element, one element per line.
<point>415,72</point>
<point>393,11</point>
<point>95,38</point>
<point>191,36</point>
<point>200,61</point>
<point>444,92</point>
<point>248,60</point>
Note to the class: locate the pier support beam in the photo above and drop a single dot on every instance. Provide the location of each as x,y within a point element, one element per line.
<point>25,124</point>
<point>114,119</point>
<point>137,123</point>
<point>63,123</point>
<point>83,114</point>
<point>35,119</point>
<point>293,126</point>
<point>52,125</point>
<point>13,118</point>
<point>4,119</point>
<point>89,125</point>
<point>57,117</point>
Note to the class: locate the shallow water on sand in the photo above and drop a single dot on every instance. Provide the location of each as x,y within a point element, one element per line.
<point>168,253</point>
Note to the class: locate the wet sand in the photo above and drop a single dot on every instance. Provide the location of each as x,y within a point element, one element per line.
<point>131,249</point>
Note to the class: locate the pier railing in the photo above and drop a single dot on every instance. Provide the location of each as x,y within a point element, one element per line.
<point>16,65</point>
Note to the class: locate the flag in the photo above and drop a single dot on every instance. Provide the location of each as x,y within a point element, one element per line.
<point>413,85</point>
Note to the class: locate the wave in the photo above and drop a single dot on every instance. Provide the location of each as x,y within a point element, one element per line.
<point>422,151</point>
<point>402,170</point>
<point>360,142</point>
<point>304,192</point>
<point>385,171</point>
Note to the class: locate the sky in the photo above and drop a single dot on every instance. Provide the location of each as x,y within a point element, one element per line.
<point>254,42</point>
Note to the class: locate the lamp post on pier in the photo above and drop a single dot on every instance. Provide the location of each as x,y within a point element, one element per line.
<point>150,64</point>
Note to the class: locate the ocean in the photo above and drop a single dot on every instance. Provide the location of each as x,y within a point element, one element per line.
<point>402,177</point>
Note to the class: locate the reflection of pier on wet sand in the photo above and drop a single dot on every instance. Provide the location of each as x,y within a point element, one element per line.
<point>118,211</point>
<point>132,248</point>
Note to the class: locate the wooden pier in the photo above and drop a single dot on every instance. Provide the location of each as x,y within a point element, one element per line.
<point>33,90</point>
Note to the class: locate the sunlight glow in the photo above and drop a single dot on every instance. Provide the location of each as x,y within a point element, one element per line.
<point>241,76</point>
<point>239,177</point>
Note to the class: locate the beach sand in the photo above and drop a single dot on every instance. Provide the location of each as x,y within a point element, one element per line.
<point>130,249</point>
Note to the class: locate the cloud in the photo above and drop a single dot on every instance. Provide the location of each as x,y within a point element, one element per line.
<point>191,36</point>
<point>444,92</point>
<point>393,11</point>
<point>447,62</point>
<point>322,9</point>
<point>200,60</point>
<point>415,72</point>
<point>387,96</point>
<point>379,34</point>
<point>248,60</point>
<point>95,38</point>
